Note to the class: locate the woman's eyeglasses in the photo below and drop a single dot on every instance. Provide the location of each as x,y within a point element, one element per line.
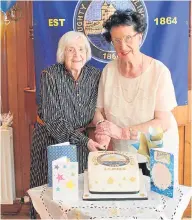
<point>127,39</point>
<point>72,50</point>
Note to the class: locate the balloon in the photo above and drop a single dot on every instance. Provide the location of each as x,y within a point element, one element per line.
<point>6,5</point>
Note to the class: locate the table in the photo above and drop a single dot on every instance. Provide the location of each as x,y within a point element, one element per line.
<point>156,207</point>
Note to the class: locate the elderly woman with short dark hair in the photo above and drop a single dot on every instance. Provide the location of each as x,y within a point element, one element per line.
<point>68,94</point>
<point>135,90</point>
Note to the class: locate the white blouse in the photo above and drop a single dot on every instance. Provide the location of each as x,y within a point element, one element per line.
<point>132,101</point>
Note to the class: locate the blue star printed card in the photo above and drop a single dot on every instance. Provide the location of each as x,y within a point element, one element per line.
<point>65,179</point>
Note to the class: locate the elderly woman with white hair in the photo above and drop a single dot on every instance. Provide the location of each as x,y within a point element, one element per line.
<point>68,94</point>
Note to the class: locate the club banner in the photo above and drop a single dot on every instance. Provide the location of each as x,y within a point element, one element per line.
<point>165,39</point>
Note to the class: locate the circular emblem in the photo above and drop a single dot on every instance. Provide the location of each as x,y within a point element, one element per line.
<point>89,17</point>
<point>113,159</point>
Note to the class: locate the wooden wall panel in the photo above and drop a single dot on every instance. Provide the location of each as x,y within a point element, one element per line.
<point>181,114</point>
<point>4,76</point>
<point>13,101</point>
<point>181,153</point>
<point>190,49</point>
<point>17,52</point>
<point>22,70</point>
<point>30,46</point>
<point>187,157</point>
<point>31,111</point>
<point>187,164</point>
<point>188,138</point>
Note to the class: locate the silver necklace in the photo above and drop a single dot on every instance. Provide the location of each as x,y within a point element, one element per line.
<point>138,88</point>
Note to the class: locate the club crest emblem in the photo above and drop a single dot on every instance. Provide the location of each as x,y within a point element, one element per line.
<point>89,17</point>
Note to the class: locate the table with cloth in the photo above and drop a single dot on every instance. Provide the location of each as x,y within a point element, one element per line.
<point>156,207</point>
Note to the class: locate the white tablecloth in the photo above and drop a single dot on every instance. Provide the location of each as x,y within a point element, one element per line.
<point>156,207</point>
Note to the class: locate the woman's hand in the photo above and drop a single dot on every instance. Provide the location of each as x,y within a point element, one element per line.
<point>112,130</point>
<point>94,146</point>
<point>109,129</point>
<point>104,140</point>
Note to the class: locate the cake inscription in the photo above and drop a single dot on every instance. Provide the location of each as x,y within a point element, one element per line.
<point>114,168</point>
<point>113,159</point>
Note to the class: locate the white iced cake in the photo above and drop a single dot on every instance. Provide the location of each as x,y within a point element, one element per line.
<point>113,172</point>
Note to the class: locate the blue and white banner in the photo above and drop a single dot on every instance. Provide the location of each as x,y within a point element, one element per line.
<point>165,39</point>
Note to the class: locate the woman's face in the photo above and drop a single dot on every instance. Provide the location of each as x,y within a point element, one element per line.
<point>126,41</point>
<point>75,55</point>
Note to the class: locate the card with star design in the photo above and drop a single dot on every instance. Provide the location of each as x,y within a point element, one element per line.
<point>65,179</point>
<point>57,151</point>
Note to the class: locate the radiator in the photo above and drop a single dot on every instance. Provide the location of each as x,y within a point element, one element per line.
<point>7,167</point>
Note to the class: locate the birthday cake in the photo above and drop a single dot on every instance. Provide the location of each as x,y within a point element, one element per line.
<point>113,172</point>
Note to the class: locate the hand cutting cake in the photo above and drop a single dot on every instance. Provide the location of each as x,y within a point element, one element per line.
<point>113,172</point>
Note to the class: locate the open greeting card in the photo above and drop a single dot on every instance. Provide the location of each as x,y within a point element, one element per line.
<point>162,172</point>
<point>65,179</point>
<point>57,151</point>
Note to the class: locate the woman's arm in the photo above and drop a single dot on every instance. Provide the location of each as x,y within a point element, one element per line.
<point>162,120</point>
<point>99,116</point>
